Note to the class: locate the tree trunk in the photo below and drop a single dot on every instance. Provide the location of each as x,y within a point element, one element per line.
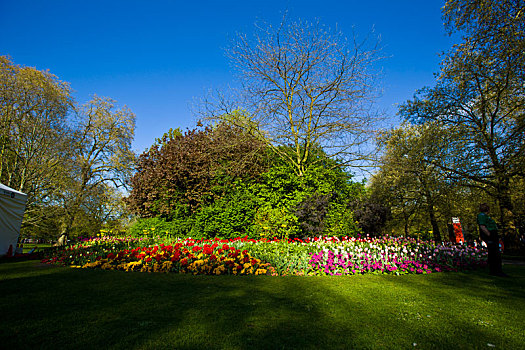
<point>432,216</point>
<point>434,223</point>
<point>508,222</point>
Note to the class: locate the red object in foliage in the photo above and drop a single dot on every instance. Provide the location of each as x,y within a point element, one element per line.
<point>10,251</point>
<point>458,232</point>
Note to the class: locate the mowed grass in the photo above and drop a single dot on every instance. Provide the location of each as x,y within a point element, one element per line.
<point>46,307</point>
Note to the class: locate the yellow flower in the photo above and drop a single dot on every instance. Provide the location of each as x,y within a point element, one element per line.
<point>132,265</point>
<point>166,266</point>
<point>219,270</point>
<point>156,267</point>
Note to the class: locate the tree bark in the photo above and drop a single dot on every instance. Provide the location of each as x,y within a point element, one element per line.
<point>508,222</point>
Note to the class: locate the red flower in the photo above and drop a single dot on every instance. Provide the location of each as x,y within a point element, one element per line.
<point>175,256</point>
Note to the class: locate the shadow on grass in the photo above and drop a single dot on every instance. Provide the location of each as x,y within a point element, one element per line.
<point>87,309</point>
<point>486,310</point>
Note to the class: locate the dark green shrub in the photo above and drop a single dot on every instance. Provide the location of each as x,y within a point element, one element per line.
<point>371,215</point>
<point>148,227</point>
<point>311,214</point>
<point>339,221</point>
<point>229,217</point>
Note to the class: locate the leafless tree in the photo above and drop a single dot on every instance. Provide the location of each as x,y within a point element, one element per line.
<point>305,86</point>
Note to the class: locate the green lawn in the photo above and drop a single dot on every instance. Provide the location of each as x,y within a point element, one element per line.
<point>64,308</point>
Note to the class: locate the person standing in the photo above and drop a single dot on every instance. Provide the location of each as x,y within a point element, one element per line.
<point>488,231</point>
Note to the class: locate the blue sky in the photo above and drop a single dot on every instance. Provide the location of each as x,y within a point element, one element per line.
<point>158,56</point>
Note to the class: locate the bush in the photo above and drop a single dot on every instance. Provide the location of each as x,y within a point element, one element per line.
<point>275,222</point>
<point>340,222</point>
<point>148,227</point>
<point>229,217</point>
<point>311,214</point>
<point>371,215</point>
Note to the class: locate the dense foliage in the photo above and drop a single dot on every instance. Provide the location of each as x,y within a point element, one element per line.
<point>181,173</point>
<point>223,182</point>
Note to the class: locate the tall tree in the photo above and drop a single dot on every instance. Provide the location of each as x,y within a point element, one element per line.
<point>33,132</point>
<point>495,28</point>
<point>306,86</point>
<point>480,100</point>
<point>408,172</point>
<point>102,155</point>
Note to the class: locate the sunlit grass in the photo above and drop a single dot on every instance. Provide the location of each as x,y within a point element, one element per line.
<point>58,308</point>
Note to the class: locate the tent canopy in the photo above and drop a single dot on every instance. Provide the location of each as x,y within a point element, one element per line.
<point>12,207</point>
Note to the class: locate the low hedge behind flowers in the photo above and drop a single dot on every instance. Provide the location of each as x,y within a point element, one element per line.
<point>241,256</point>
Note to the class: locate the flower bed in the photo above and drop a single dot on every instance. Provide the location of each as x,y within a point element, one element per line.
<point>241,256</point>
<point>390,255</point>
<point>183,257</point>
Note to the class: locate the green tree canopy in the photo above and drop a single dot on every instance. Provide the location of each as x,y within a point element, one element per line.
<point>34,139</point>
<point>479,100</point>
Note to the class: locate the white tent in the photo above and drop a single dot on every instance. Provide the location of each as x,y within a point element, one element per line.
<point>12,207</point>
